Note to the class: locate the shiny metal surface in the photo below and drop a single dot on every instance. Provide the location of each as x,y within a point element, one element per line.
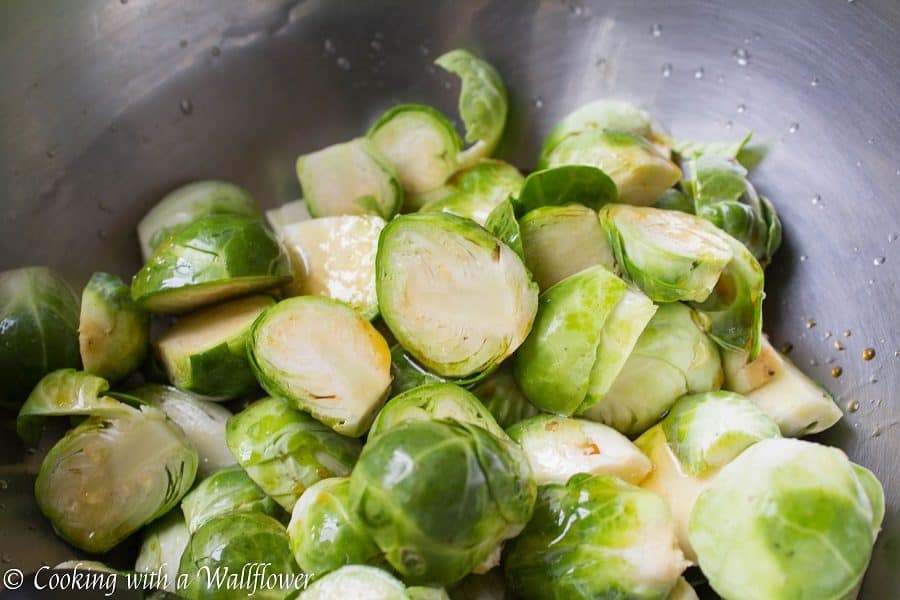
<point>106,105</point>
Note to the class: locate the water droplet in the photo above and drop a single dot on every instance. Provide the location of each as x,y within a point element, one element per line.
<point>216,51</point>
<point>51,153</point>
<point>878,261</point>
<point>102,234</point>
<point>576,9</point>
<point>830,360</point>
<point>847,333</point>
<point>6,558</point>
<point>897,354</point>
<point>375,45</point>
<point>871,282</point>
<point>870,141</point>
<point>803,258</point>
<point>31,451</point>
<point>328,46</point>
<point>729,124</point>
<point>816,199</point>
<point>667,70</point>
<point>868,353</point>
<point>813,362</point>
<point>656,30</point>
<point>882,340</point>
<point>187,107</point>
<point>873,379</point>
<point>893,237</point>
<point>741,56</point>
<point>699,73</point>
<point>859,163</point>
<point>853,406</point>
<point>424,50</point>
<point>826,335</point>
<point>855,249</point>
<point>838,345</point>
<point>786,348</point>
<point>538,103</point>
<point>343,64</point>
<point>757,36</point>
<point>814,82</point>
<point>741,108</point>
<point>836,371</point>
<point>794,127</point>
<point>720,79</point>
<point>183,43</point>
<point>4,484</point>
<point>810,323</point>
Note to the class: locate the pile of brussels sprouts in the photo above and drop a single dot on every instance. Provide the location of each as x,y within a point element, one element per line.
<point>474,384</point>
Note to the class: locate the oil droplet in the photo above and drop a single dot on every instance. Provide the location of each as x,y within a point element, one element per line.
<point>216,51</point>
<point>810,323</point>
<point>853,406</point>
<point>328,46</point>
<point>838,345</point>
<point>343,64</point>
<point>794,127</point>
<point>667,70</point>
<point>656,30</point>
<point>868,353</point>
<point>836,371</point>
<point>187,107</point>
<point>878,261</point>
<point>847,333</point>
<point>876,432</point>
<point>741,108</point>
<point>699,73</point>
<point>814,82</point>
<point>786,348</point>
<point>538,103</point>
<point>741,56</point>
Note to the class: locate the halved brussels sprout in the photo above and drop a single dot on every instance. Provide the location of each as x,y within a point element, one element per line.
<point>503,224</point>
<point>640,172</point>
<point>455,297</point>
<point>164,542</point>
<point>567,184</point>
<point>285,451</point>
<point>434,401</point>
<point>110,476</point>
<point>225,492</point>
<point>670,255</point>
<point>672,357</point>
<point>482,102</point>
<point>113,331</point>
<point>473,192</point>
<point>353,178</point>
<point>206,352</point>
<point>220,552</point>
<point>39,313</point>
<point>595,537</point>
<point>357,582</point>
<point>605,114</point>
<point>709,430</point>
<point>288,213</point>
<point>799,405</point>
<point>585,328</point>
<point>560,447</point>
<point>202,421</point>
<point>210,260</point>
<point>420,142</point>
<point>189,203</point>
<point>326,358</point>
<point>324,533</point>
<point>786,519</point>
<point>65,392</point>
<point>334,257</point>
<point>501,395</point>
<point>562,240</point>
<point>401,485</point>
<point>743,375</point>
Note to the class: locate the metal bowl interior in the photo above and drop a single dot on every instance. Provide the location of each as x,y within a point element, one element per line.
<point>107,105</point>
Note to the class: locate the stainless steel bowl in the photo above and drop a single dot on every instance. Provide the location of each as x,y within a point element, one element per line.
<point>108,104</point>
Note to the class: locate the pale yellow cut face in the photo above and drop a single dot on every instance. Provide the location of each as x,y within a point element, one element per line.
<point>743,377</point>
<point>420,150</point>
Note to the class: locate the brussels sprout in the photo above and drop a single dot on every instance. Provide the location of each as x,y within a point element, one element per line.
<point>216,561</point>
<point>65,392</point>
<point>407,373</point>
<point>189,203</point>
<point>560,447</point>
<point>323,532</point>
<point>113,332</point>
<point>682,591</point>
<point>109,476</point>
<point>420,142</point>
<point>288,213</point>
<point>39,313</point>
<point>206,352</point>
<point>722,195</point>
<point>595,537</point>
<point>672,357</point>
<point>434,401</point>
<point>454,296</point>
<point>567,184</point>
<point>212,259</point>
<point>161,549</point>
<point>709,430</point>
<point>502,223</point>
<point>743,375</point>
<point>399,491</point>
<point>357,582</point>
<point>799,405</point>
<point>225,492</point>
<point>475,191</point>
<point>687,149</point>
<point>419,592</point>
<point>489,586</point>
<point>285,451</point>
<point>501,395</point>
<point>562,240</point>
<point>675,199</point>
<point>640,172</point>
<point>482,102</point>
<point>670,255</point>
<point>786,519</point>
<point>353,178</point>
<point>334,257</point>
<point>324,357</point>
<point>605,114</point>
<point>586,326</point>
